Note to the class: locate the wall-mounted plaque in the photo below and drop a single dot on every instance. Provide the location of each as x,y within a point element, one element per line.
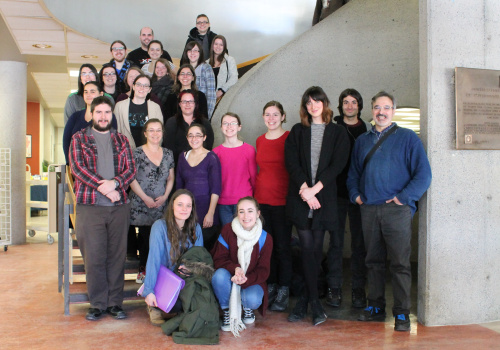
<point>477,94</point>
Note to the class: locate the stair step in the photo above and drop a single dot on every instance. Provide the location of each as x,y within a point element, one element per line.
<point>78,292</point>
<point>130,266</point>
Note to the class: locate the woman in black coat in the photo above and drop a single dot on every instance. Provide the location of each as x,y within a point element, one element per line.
<point>316,151</point>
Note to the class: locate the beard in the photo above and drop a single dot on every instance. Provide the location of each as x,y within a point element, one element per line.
<point>97,127</point>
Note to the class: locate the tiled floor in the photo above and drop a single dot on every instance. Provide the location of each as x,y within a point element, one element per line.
<point>32,317</point>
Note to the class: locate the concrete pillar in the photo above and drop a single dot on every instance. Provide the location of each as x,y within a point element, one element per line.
<point>459,241</point>
<point>13,136</point>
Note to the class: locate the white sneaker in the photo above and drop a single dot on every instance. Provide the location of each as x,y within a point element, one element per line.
<point>248,316</point>
<point>140,277</point>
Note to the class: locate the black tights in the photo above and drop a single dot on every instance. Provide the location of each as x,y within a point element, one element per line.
<point>311,244</point>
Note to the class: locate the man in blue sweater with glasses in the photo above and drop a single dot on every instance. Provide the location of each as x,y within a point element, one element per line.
<point>389,172</point>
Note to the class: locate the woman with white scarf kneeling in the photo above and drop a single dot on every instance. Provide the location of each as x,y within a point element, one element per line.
<point>242,258</point>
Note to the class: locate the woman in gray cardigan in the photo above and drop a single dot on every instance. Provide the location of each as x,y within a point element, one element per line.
<point>316,151</point>
<point>223,65</point>
<point>132,113</point>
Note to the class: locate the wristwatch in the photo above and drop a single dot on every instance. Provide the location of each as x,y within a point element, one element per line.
<point>117,184</point>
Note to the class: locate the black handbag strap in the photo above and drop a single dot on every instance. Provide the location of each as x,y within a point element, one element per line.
<point>378,144</point>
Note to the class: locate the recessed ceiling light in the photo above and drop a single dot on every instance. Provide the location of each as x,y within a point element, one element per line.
<point>90,56</point>
<point>74,73</point>
<point>42,46</point>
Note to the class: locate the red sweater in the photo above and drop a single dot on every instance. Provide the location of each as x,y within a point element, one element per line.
<point>271,185</point>
<point>260,263</point>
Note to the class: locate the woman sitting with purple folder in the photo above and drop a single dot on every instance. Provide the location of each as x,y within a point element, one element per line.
<point>170,238</point>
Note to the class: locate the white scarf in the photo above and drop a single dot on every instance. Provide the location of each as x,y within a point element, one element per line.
<point>246,241</point>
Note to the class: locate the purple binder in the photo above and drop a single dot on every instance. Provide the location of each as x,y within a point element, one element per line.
<point>167,288</point>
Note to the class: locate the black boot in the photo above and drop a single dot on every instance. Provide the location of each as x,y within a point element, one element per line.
<point>299,311</point>
<point>281,301</point>
<point>272,292</point>
<point>318,314</point>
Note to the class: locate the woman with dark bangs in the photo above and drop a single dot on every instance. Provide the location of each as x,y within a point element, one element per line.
<point>108,76</point>
<point>75,102</point>
<point>186,80</point>
<point>316,151</point>
<point>135,111</point>
<point>176,128</point>
<point>171,237</point>
<point>205,78</point>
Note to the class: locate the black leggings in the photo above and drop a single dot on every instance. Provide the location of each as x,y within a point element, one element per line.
<point>311,244</point>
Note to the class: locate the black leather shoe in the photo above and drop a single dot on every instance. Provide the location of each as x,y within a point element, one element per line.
<point>358,298</point>
<point>299,311</point>
<point>116,312</point>
<point>318,313</point>
<point>334,297</point>
<point>94,314</point>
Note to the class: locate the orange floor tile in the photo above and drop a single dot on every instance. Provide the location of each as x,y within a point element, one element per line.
<point>32,317</point>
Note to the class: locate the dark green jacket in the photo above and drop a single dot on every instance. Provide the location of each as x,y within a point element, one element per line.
<point>198,324</point>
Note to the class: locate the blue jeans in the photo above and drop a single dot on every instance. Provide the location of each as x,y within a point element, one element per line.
<point>226,213</point>
<point>251,297</point>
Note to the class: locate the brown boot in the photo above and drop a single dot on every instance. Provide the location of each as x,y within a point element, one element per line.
<point>155,316</point>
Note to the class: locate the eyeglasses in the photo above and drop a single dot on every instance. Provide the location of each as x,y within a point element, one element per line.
<point>186,74</point>
<point>139,85</point>
<point>109,74</point>
<point>89,74</point>
<point>157,50</point>
<point>232,124</point>
<point>190,102</point>
<point>121,48</point>
<point>194,50</point>
<point>202,22</point>
<point>385,108</point>
<point>197,136</point>
<point>154,131</point>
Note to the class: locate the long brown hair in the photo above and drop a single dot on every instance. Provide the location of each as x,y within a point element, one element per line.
<point>317,94</point>
<point>211,62</point>
<point>178,237</point>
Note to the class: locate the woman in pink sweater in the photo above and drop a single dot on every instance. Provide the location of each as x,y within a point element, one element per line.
<point>238,167</point>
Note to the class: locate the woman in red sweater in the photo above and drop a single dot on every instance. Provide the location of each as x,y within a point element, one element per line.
<point>242,257</point>
<point>270,191</point>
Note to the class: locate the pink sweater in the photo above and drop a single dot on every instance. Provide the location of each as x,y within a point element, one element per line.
<point>238,170</point>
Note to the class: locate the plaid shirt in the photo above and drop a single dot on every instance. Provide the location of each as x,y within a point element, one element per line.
<point>83,162</point>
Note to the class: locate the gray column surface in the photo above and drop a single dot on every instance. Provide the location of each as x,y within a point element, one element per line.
<point>459,243</point>
<point>12,135</point>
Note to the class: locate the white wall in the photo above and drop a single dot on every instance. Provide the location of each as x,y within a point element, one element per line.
<point>366,45</point>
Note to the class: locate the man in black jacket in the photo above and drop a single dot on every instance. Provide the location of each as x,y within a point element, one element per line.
<point>350,106</point>
<point>140,56</point>
<point>202,34</point>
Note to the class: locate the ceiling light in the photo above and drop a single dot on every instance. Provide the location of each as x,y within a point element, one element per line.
<point>74,90</point>
<point>90,56</point>
<point>411,118</point>
<point>74,73</point>
<point>42,46</point>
